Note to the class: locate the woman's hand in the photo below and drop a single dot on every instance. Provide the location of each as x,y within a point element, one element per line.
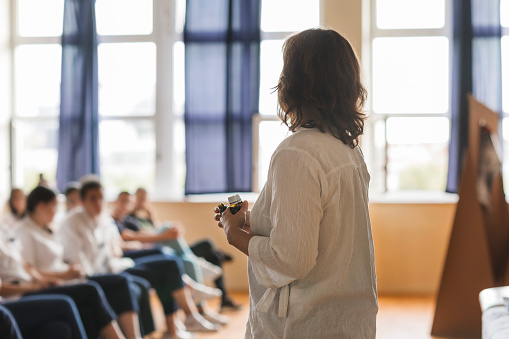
<point>233,222</point>
<point>237,227</point>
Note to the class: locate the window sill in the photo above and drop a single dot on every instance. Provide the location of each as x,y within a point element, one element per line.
<point>406,197</point>
<point>414,197</point>
<point>209,198</point>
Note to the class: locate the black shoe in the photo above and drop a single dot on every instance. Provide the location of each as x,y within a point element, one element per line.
<point>229,304</point>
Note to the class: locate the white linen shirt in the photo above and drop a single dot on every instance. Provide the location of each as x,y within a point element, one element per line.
<point>41,249</point>
<point>12,269</point>
<point>311,263</point>
<point>87,241</point>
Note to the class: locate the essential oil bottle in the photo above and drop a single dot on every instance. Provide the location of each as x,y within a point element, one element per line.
<point>235,203</point>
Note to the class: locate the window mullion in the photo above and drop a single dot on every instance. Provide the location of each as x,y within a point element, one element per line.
<point>164,32</point>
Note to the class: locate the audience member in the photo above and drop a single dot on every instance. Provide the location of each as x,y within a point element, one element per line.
<point>17,206</point>
<point>43,252</point>
<point>72,195</point>
<point>140,223</point>
<point>89,238</point>
<point>18,280</point>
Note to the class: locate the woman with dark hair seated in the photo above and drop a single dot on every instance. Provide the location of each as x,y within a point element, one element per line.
<point>40,317</point>
<point>43,253</point>
<point>95,312</point>
<point>17,207</point>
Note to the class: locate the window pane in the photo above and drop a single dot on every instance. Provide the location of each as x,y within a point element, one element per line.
<point>127,150</point>
<point>40,18</point>
<point>271,64</point>
<point>180,15</point>
<point>37,79</point>
<point>504,12</point>
<point>35,152</point>
<point>127,78</point>
<point>417,153</point>
<point>124,17</point>
<point>505,73</point>
<point>271,133</point>
<point>411,75</point>
<point>410,13</point>
<point>289,15</point>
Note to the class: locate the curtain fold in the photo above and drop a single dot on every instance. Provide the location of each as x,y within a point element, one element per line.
<point>222,62</point>
<point>78,152</point>
<point>476,69</point>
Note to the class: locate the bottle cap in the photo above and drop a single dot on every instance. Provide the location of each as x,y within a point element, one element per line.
<point>234,199</point>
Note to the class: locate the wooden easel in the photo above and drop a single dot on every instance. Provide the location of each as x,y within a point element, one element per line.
<point>478,252</point>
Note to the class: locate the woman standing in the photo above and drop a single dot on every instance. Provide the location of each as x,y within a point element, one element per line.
<point>308,237</point>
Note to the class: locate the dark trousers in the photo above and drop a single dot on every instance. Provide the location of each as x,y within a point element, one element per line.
<point>163,271</point>
<point>45,317</point>
<point>141,288</point>
<point>93,307</point>
<point>207,251</point>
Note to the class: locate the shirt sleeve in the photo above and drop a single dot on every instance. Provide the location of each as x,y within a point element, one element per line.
<point>71,242</point>
<point>290,252</point>
<point>27,245</point>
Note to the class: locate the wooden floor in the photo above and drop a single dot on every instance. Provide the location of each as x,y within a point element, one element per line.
<point>399,317</point>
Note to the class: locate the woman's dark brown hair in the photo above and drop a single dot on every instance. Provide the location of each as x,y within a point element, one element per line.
<point>321,82</point>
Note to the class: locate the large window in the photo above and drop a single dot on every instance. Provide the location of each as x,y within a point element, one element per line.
<point>268,131</point>
<point>408,58</point>
<point>140,61</point>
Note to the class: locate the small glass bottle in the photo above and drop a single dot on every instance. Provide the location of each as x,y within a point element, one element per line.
<point>235,203</point>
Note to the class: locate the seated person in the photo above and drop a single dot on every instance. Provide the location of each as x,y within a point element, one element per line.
<point>18,280</point>
<point>89,238</point>
<point>72,195</point>
<point>16,206</point>
<point>43,253</point>
<point>40,317</point>
<point>142,224</point>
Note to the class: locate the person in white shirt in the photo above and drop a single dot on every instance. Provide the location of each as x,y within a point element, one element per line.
<point>308,236</point>
<point>43,252</point>
<point>91,238</point>
<point>16,208</point>
<point>19,280</point>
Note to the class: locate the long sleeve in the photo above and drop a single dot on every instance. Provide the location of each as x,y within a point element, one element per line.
<point>72,244</point>
<point>297,188</point>
<point>28,246</point>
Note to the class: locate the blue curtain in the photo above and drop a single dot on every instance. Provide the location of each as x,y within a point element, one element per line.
<point>78,152</point>
<point>476,69</point>
<point>222,46</point>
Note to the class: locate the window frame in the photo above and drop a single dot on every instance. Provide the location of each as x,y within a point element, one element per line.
<point>166,115</point>
<point>377,164</point>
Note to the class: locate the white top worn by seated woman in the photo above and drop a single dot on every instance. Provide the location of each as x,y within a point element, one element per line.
<point>12,270</point>
<point>311,263</point>
<point>41,247</point>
